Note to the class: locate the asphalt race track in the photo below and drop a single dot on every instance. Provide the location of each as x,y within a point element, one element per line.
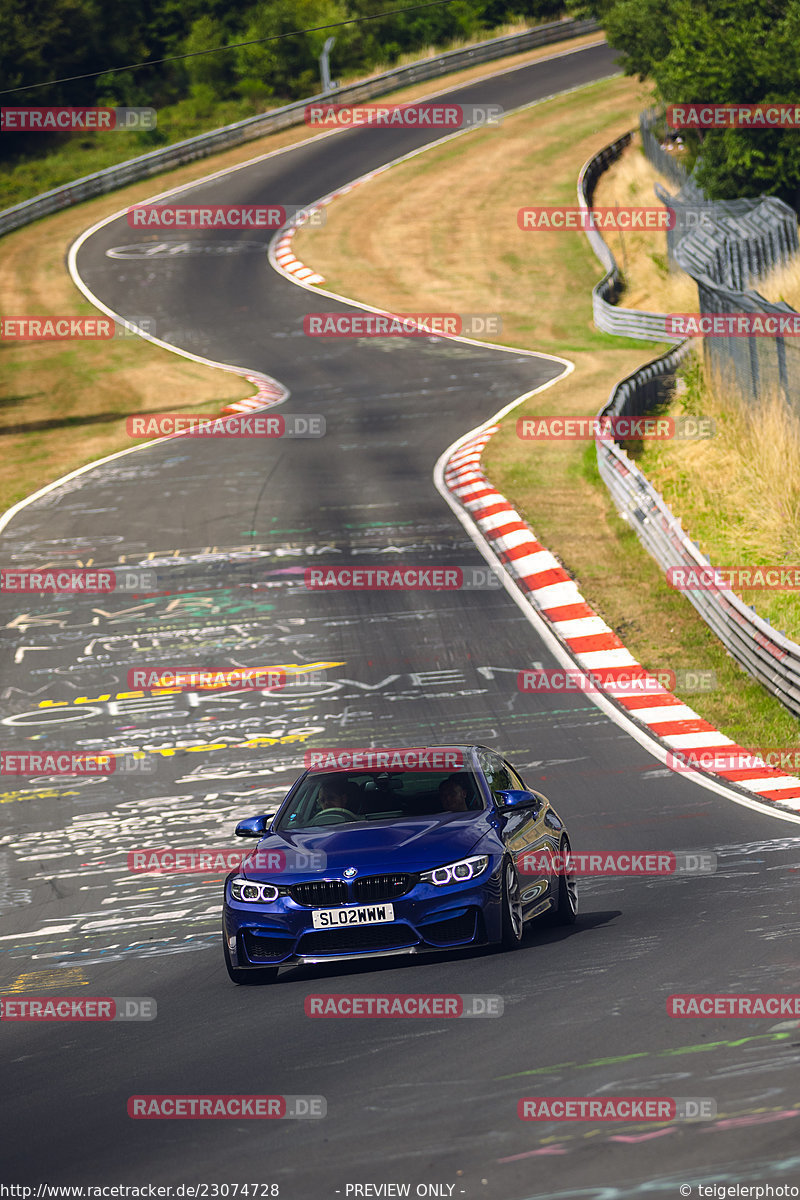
<point>230,526</point>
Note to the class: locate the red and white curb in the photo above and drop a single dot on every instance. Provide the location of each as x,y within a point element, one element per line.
<point>288,261</point>
<point>658,720</point>
<point>268,393</point>
<point>281,254</point>
<point>590,642</point>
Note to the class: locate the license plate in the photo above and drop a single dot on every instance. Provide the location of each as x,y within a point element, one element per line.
<point>365,914</point>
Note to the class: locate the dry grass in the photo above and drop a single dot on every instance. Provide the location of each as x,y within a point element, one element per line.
<point>467,252</point>
<point>64,404</point>
<point>432,235</point>
<point>723,488</point>
<point>782,283</point>
<point>407,236</point>
<point>650,283</point>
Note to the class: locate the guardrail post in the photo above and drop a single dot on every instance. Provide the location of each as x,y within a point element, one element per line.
<point>324,67</point>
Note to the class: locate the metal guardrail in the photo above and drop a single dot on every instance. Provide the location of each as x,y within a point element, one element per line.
<point>204,144</point>
<point>608,316</point>
<point>768,655</point>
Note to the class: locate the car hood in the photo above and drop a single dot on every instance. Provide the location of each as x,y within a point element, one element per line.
<point>415,844</point>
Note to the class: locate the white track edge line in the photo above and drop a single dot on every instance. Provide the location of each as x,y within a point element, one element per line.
<point>554,645</point>
<point>11,512</point>
<point>611,710</point>
<point>531,615</point>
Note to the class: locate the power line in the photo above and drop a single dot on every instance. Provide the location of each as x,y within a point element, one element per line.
<point>154,62</point>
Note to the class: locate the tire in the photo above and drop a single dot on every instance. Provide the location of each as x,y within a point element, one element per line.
<point>565,909</point>
<point>513,926</point>
<point>253,975</point>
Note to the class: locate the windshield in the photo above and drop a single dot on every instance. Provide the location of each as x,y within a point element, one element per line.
<point>344,797</point>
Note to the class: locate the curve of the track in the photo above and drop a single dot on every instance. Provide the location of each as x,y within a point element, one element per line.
<point>229,527</point>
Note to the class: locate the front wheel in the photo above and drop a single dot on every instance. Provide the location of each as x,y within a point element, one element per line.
<point>252,976</point>
<point>512,908</point>
<point>565,909</point>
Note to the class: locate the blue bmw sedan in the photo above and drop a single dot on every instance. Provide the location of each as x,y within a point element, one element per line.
<point>395,852</point>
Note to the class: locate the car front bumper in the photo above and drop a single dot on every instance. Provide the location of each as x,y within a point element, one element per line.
<point>426,920</point>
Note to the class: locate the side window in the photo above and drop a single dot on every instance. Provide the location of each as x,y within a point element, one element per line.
<point>498,775</point>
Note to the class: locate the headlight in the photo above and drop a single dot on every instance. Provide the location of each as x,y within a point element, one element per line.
<point>457,872</point>
<point>248,892</point>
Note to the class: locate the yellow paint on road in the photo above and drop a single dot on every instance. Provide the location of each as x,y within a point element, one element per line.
<point>35,982</point>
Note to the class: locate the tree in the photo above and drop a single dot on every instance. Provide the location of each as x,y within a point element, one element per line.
<point>718,52</point>
<point>288,67</point>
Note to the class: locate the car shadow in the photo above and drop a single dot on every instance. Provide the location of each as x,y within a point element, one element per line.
<point>540,934</point>
<point>537,934</point>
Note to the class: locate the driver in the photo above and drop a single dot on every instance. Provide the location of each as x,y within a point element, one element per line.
<point>453,794</point>
<point>332,794</point>
<point>335,793</point>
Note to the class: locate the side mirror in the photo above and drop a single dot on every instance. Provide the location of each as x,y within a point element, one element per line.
<point>254,827</point>
<point>508,800</point>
